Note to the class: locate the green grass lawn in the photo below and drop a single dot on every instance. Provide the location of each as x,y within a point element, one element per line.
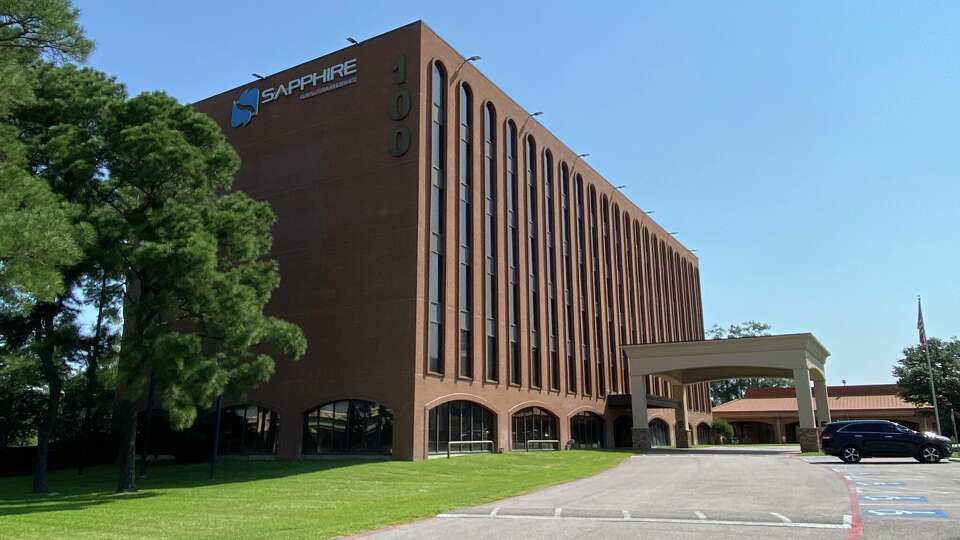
<point>271,499</point>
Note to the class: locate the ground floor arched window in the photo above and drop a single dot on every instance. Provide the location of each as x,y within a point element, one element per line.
<point>349,426</point>
<point>586,430</point>
<point>703,433</point>
<point>248,429</point>
<point>534,428</point>
<point>458,421</point>
<point>659,433</point>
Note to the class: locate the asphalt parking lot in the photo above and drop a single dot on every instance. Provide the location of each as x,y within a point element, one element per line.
<point>722,493</point>
<point>900,498</point>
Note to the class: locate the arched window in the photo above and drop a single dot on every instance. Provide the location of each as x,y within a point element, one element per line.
<point>551,268</point>
<point>659,432</point>
<point>465,172</point>
<point>437,163</point>
<point>490,241</point>
<point>703,433</point>
<point>586,430</point>
<point>533,263</point>
<point>461,421</point>
<point>567,276</point>
<point>535,429</point>
<point>618,354</point>
<point>582,275</point>
<point>349,426</point>
<point>248,429</point>
<point>513,254</point>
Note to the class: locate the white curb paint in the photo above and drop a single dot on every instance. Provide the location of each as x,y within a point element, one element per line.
<point>665,520</point>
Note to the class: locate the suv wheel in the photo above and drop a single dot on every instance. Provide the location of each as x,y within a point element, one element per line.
<point>930,454</point>
<point>851,454</point>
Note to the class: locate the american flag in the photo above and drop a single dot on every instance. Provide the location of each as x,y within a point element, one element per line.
<point>923,333</point>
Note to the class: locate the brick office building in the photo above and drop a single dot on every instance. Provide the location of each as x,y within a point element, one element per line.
<point>460,274</point>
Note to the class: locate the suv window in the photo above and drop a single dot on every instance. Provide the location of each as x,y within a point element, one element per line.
<point>886,428</point>
<point>860,428</point>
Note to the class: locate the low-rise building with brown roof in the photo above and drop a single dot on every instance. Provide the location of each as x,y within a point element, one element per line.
<point>769,415</point>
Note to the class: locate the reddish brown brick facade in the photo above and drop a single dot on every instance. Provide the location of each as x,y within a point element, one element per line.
<point>353,242</point>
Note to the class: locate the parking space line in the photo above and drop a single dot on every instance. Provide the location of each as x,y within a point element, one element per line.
<point>700,515</point>
<point>781,517</point>
<point>556,512</point>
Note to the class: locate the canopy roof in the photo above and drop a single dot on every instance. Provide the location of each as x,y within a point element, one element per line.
<point>687,362</point>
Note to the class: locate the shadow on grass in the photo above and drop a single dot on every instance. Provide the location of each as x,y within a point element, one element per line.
<point>66,503</point>
<point>97,487</point>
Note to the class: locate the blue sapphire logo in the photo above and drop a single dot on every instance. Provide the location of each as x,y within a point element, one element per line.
<point>245,107</point>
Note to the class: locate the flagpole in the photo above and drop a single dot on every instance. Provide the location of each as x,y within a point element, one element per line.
<point>926,350</point>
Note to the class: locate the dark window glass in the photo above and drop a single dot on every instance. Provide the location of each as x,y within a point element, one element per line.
<point>350,426</point>
<point>513,254</point>
<point>567,273</point>
<point>586,430</point>
<point>437,157</point>
<point>248,429</point>
<point>597,308</point>
<point>465,368</point>
<point>533,263</point>
<point>490,241</point>
<point>609,297</point>
<point>461,421</point>
<point>551,269</point>
<point>582,275</point>
<point>534,428</point>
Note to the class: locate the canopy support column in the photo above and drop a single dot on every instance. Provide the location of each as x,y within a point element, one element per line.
<point>682,433</point>
<point>638,400</point>
<point>823,406</point>
<point>807,433</point>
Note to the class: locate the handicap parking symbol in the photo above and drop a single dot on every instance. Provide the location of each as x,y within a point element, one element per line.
<point>881,498</point>
<point>899,512</point>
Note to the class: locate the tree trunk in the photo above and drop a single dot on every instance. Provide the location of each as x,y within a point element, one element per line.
<point>127,412</point>
<point>146,427</point>
<point>47,353</point>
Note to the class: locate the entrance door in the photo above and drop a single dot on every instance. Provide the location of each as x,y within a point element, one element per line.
<point>623,432</point>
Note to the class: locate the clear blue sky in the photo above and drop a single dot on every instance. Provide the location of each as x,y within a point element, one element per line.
<point>809,151</point>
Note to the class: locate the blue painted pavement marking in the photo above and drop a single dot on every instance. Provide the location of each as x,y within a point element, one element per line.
<point>899,512</point>
<point>879,483</point>
<point>912,498</point>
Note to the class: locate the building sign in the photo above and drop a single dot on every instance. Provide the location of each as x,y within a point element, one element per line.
<point>247,105</point>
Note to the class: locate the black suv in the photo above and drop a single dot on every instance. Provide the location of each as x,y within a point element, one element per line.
<point>851,440</point>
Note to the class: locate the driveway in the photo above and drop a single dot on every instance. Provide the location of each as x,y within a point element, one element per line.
<point>700,493</point>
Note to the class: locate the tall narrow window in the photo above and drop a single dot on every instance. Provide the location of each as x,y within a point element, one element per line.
<point>597,307</point>
<point>533,262</point>
<point>621,297</point>
<point>609,295</point>
<point>551,268</point>
<point>490,241</point>
<point>464,171</point>
<point>513,254</point>
<point>582,274</point>
<point>437,158</point>
<point>567,273</point>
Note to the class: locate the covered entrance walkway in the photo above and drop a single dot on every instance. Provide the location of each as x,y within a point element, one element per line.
<point>795,356</point>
